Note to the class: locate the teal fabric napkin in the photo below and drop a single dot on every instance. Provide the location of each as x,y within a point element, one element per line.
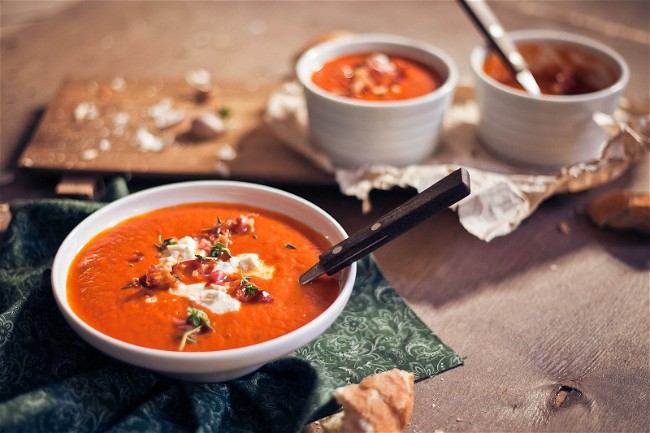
<point>52,381</point>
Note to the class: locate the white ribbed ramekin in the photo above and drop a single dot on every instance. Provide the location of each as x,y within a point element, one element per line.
<point>547,131</point>
<point>361,133</point>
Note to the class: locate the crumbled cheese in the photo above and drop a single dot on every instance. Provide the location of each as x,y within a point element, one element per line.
<point>382,63</point>
<point>85,111</point>
<point>183,250</point>
<point>248,264</point>
<point>212,297</point>
<point>199,79</point>
<point>164,115</point>
<point>226,153</point>
<point>104,145</point>
<point>89,154</point>
<point>145,140</point>
<point>120,121</point>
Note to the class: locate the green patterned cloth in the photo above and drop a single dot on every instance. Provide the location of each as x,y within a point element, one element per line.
<point>52,381</point>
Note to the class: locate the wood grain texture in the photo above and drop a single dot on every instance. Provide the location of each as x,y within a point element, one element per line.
<point>554,325</point>
<point>65,143</point>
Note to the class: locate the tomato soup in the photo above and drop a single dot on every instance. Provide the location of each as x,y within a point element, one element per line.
<point>559,70</point>
<point>376,77</point>
<point>200,277</point>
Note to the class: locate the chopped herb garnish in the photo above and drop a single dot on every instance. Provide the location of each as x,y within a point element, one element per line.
<point>224,112</point>
<point>290,247</point>
<point>199,257</point>
<point>163,244</point>
<point>218,249</point>
<point>196,317</point>
<point>199,321</point>
<point>250,289</point>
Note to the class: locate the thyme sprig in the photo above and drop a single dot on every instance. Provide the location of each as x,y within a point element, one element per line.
<point>218,249</point>
<point>199,322</point>
<point>250,289</point>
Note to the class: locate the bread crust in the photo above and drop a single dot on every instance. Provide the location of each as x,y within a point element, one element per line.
<point>381,403</point>
<point>621,210</point>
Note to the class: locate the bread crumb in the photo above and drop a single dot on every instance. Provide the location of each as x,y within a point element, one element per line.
<point>564,228</point>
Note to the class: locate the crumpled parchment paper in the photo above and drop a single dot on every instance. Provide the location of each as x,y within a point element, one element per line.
<point>502,195</point>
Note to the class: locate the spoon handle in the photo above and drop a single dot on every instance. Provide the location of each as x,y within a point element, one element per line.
<point>491,28</point>
<point>432,200</point>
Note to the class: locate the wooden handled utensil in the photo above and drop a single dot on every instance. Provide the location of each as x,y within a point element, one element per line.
<point>432,200</point>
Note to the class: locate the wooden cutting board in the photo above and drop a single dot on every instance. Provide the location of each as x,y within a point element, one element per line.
<point>105,143</point>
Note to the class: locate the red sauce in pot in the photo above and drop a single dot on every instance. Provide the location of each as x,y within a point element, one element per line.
<point>559,69</point>
<point>376,77</point>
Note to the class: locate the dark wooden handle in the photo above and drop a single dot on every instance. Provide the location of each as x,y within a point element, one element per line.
<point>483,18</point>
<point>434,199</point>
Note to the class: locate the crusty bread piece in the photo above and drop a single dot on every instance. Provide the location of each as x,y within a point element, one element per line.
<point>381,403</point>
<point>622,210</point>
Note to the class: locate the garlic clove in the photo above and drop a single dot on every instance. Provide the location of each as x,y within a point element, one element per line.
<point>206,126</point>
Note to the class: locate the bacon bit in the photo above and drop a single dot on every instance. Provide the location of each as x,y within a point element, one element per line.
<point>137,256</point>
<point>259,296</point>
<point>186,268</point>
<point>157,277</point>
<point>193,268</point>
<point>140,281</point>
<point>200,270</point>
<point>241,225</point>
<point>204,244</point>
<point>247,292</point>
<point>376,75</point>
<point>222,233</point>
<point>217,277</point>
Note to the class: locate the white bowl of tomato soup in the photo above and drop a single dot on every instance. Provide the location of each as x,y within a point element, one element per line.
<point>199,280</point>
<point>578,77</point>
<point>376,98</point>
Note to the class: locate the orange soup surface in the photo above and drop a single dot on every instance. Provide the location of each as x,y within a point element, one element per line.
<point>376,77</point>
<point>558,70</point>
<point>200,277</point>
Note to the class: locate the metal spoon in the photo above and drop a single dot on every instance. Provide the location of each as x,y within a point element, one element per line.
<point>495,34</point>
<point>432,200</point>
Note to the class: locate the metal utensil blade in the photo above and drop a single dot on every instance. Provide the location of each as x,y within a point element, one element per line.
<point>311,274</point>
<point>528,82</point>
<point>490,26</point>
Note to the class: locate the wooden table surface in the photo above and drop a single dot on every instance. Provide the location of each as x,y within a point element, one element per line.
<point>554,327</point>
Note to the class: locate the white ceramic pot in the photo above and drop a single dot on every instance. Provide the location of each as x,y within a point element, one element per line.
<point>551,130</point>
<point>361,133</point>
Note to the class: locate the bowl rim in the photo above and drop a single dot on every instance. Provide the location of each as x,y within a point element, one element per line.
<point>303,66</point>
<point>265,351</point>
<point>477,56</point>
